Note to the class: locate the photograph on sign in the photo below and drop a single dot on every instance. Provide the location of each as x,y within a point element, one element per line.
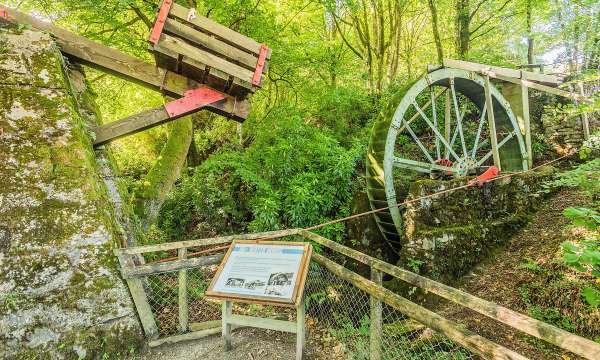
<point>261,270</point>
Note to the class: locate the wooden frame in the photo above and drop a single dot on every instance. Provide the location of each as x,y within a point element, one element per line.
<point>208,52</point>
<point>296,297</point>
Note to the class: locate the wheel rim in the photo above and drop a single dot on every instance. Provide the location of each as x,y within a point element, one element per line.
<point>466,146</point>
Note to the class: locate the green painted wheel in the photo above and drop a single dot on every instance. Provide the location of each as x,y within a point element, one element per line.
<point>437,127</point>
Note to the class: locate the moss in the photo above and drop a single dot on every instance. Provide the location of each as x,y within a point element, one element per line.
<point>452,232</point>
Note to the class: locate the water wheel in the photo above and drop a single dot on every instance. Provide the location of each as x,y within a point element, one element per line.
<point>437,128</point>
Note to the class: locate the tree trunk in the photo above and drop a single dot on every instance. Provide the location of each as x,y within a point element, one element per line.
<point>160,179</point>
<point>530,59</point>
<point>436,32</point>
<point>463,34</point>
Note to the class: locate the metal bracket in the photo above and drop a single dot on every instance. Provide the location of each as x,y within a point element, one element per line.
<point>192,100</point>
<point>260,65</point>
<point>159,24</point>
<point>489,174</point>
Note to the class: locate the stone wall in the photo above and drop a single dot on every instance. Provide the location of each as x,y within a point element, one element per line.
<point>448,234</point>
<point>60,291</point>
<point>565,132</point>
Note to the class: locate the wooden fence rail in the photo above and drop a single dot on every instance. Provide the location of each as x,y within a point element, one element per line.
<point>134,273</point>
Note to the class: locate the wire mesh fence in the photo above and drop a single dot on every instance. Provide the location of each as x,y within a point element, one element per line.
<point>162,290</point>
<point>345,312</point>
<point>337,312</point>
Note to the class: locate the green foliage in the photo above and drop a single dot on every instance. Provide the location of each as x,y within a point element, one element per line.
<point>585,256</point>
<point>292,175</point>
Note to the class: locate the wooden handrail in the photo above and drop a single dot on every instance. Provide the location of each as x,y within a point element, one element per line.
<point>205,242</point>
<point>549,333</point>
<point>468,339</point>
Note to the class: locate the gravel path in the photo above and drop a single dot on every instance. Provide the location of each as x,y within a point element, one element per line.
<point>248,344</point>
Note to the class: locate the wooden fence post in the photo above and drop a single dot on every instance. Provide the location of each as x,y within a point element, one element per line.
<point>183,300</point>
<point>300,328</point>
<point>491,121</point>
<point>376,318</point>
<point>584,117</point>
<point>138,294</point>
<point>527,123</point>
<point>226,326</point>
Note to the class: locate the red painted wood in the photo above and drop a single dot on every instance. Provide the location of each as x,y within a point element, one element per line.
<point>260,65</point>
<point>159,24</point>
<point>193,100</point>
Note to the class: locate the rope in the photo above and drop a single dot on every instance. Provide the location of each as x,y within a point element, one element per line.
<point>355,216</point>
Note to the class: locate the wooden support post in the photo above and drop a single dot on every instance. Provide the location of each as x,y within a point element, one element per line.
<point>183,299</point>
<point>300,336</point>
<point>517,96</point>
<point>447,127</point>
<point>491,121</point>
<point>226,325</point>
<point>138,294</point>
<point>375,329</point>
<point>584,117</point>
<point>527,124</point>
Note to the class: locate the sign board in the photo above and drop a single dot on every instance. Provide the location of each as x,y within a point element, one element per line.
<point>270,272</point>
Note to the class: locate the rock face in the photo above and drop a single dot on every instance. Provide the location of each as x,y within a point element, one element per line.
<point>448,234</point>
<point>60,291</point>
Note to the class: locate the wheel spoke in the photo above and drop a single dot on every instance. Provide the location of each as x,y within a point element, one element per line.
<point>419,165</point>
<point>481,122</point>
<point>435,123</point>
<point>489,153</point>
<point>436,131</point>
<point>458,119</point>
<point>464,110</point>
<point>419,143</point>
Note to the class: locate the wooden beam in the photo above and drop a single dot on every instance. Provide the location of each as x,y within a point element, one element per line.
<point>178,46</point>
<point>217,29</point>
<point>176,28</point>
<point>527,124</point>
<point>140,300</point>
<point>563,339</point>
<point>540,87</point>
<point>125,66</point>
<point>147,269</point>
<point>516,74</point>
<point>452,330</point>
<point>375,327</point>
<point>182,294</point>
<point>208,241</point>
<point>184,337</point>
<point>491,121</point>
<point>130,125</point>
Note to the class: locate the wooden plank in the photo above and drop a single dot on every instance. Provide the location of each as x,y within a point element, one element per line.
<point>491,122</point>
<point>584,117</point>
<point>184,337</point>
<point>130,125</point>
<point>154,268</point>
<point>208,241</point>
<point>226,325</point>
<point>526,324</point>
<point>212,324</point>
<point>454,331</point>
<point>375,328</point>
<point>527,124</point>
<point>245,59</point>
<point>515,74</point>
<point>217,29</point>
<point>140,300</point>
<point>182,293</point>
<point>262,323</point>
<point>300,330</point>
<point>181,47</point>
<point>126,66</point>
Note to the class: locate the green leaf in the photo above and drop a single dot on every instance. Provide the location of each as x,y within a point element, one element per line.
<point>591,296</point>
